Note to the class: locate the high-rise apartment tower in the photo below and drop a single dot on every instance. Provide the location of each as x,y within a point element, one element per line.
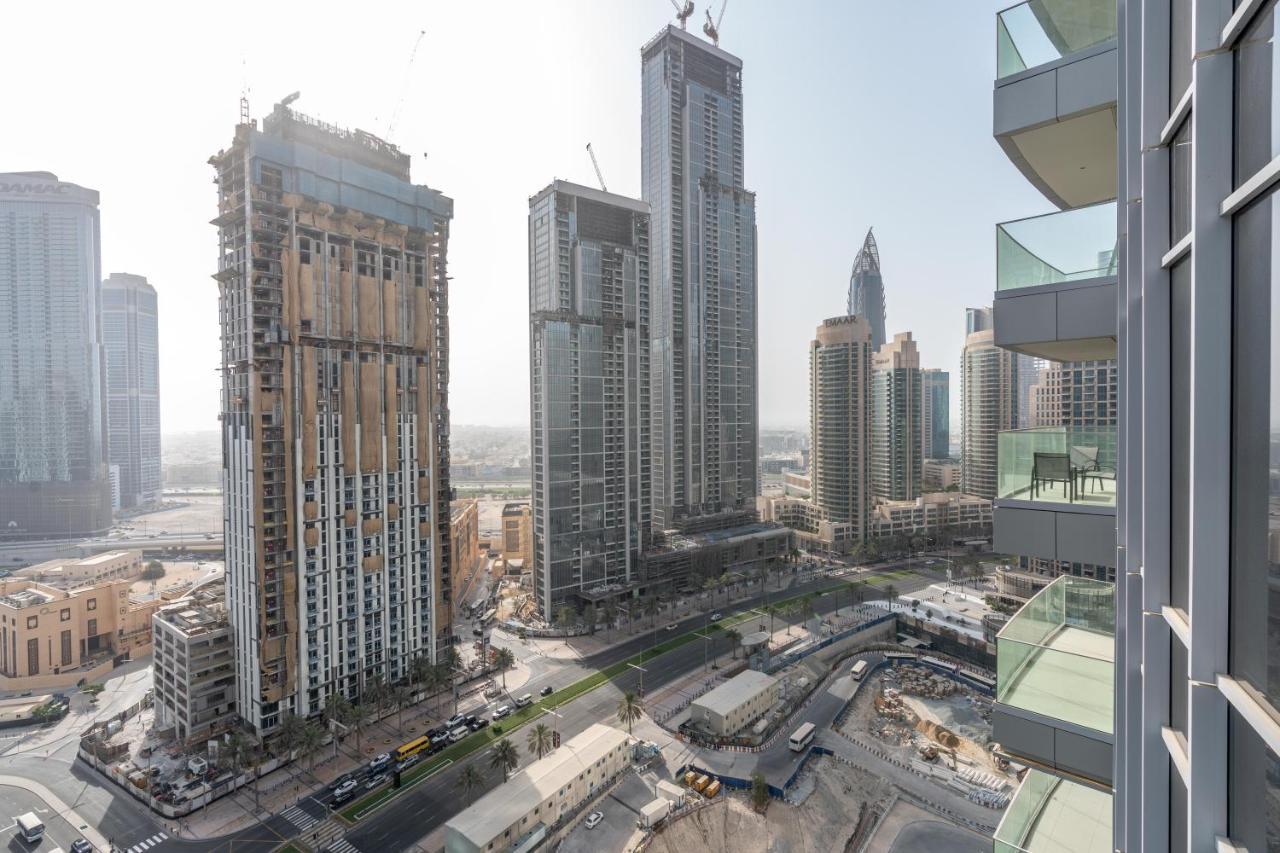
<point>840,420</point>
<point>130,341</point>
<point>935,414</point>
<point>896,420</point>
<point>333,298</point>
<point>988,405</point>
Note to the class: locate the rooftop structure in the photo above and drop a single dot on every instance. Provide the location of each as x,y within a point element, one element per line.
<point>733,705</point>
<point>866,289</point>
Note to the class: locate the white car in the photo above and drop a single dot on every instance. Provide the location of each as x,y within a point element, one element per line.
<point>345,790</point>
<point>716,617</point>
<point>593,819</point>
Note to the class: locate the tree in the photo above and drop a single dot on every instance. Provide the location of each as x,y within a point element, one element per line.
<point>504,756</point>
<point>289,736</point>
<point>734,636</point>
<point>589,617</point>
<point>450,661</point>
<point>358,717</point>
<point>806,607</point>
<point>401,696</point>
<point>419,668</point>
<point>787,611</point>
<point>891,593</point>
<point>469,781</point>
<point>565,618</point>
<point>376,691</point>
<point>723,583</point>
<point>540,739</point>
<point>337,710</point>
<point>503,660</point>
<point>759,791</point>
<point>311,740</point>
<point>153,571</point>
<point>630,708</point>
<point>610,614</point>
<point>773,610</point>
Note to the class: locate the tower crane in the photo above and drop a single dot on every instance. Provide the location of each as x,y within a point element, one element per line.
<point>684,11</point>
<point>712,29</point>
<point>599,175</point>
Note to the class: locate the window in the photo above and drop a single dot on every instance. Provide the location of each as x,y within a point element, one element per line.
<point>1180,432</point>
<point>33,621</point>
<point>65,615</point>
<point>1257,136</point>
<point>1180,183</point>
<point>66,648</point>
<point>1253,787</point>
<point>93,627</point>
<point>92,605</point>
<point>1180,49</point>
<point>33,656</point>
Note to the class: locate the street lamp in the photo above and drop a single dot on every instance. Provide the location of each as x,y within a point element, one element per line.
<point>642,672</point>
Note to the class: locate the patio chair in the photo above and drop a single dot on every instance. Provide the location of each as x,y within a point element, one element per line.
<point>1051,468</point>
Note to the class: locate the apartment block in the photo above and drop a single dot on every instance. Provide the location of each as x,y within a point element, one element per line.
<point>930,512</point>
<point>85,571</point>
<point>333,299</point>
<point>131,344</point>
<point>194,667</point>
<point>896,428</point>
<point>840,358</point>
<point>988,405</point>
<point>940,474</point>
<point>589,327</point>
<point>1080,394</point>
<point>464,537</point>
<point>935,414</point>
<point>517,531</point>
<point>53,462</point>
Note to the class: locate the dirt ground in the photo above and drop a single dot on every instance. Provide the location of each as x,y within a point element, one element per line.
<point>824,823</point>
<point>177,576</point>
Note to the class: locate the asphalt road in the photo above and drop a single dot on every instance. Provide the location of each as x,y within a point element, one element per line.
<point>16,801</point>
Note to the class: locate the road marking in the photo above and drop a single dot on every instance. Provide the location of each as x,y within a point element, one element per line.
<point>342,845</point>
<point>149,842</point>
<point>300,818</point>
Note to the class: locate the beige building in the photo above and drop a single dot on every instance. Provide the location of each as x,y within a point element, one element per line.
<point>86,571</point>
<point>930,512</point>
<point>51,630</point>
<point>941,474</point>
<point>896,420</point>
<point>464,524</point>
<point>840,419</point>
<point>517,532</point>
<point>195,690</point>
<point>519,814</point>
<point>737,703</point>
<point>988,405</point>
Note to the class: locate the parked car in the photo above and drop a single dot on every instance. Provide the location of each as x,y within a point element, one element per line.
<point>593,819</point>
<point>546,691</point>
<point>81,846</point>
<point>409,762</point>
<point>375,781</point>
<point>454,721</point>
<point>478,724</point>
<point>716,617</point>
<point>379,762</point>
<point>344,791</point>
<point>671,627</point>
<point>503,710</point>
<point>458,734</point>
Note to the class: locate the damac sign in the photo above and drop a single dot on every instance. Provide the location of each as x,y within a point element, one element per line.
<point>38,189</point>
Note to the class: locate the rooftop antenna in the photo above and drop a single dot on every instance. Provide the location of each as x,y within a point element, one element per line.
<point>713,29</point>
<point>599,175</point>
<point>684,11</point>
<point>404,90</point>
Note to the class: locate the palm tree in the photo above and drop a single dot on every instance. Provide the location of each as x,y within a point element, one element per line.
<point>565,617</point>
<point>630,707</point>
<point>401,696</point>
<point>806,608</point>
<point>891,593</point>
<point>540,739</point>
<point>311,741</point>
<point>337,710</point>
<point>289,736</point>
<point>734,636</point>
<point>359,717</point>
<point>723,583</point>
<point>235,755</point>
<point>610,615</point>
<point>419,669</point>
<point>589,617</point>
<point>451,661</point>
<point>651,610</point>
<point>376,691</point>
<point>469,781</point>
<point>773,610</point>
<point>503,660</point>
<point>504,756</point>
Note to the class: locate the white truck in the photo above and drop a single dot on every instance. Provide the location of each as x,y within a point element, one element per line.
<point>30,828</point>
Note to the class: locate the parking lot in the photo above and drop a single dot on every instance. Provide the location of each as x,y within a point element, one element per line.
<point>621,809</point>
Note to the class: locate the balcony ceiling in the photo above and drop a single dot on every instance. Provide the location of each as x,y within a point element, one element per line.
<point>1074,160</point>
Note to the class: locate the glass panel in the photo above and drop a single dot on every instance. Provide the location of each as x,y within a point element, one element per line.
<point>1071,245</point>
<point>1255,549</point>
<point>1049,813</point>
<point>1058,464</point>
<point>1180,432</point>
<point>1180,183</point>
<point>1253,795</point>
<point>1256,117</point>
<point>1040,31</point>
<point>1180,14</point>
<point>1056,656</point>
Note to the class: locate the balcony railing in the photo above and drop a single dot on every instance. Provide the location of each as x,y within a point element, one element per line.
<point>1067,465</point>
<point>1056,656</point>
<point>1070,245</point>
<point>1036,32</point>
<point>1049,813</point>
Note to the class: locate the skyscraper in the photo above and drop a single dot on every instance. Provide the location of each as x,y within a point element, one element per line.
<point>1028,373</point>
<point>589,354</point>
<point>703,249</point>
<point>935,414</point>
<point>53,468</point>
<point>895,420</point>
<point>989,404</point>
<point>840,420</point>
<point>130,340</point>
<point>866,289</point>
<point>333,298</point>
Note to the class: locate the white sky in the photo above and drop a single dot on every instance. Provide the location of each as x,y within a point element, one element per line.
<point>857,113</point>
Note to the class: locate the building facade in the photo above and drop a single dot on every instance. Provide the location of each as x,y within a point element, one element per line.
<point>53,464</point>
<point>194,667</point>
<point>840,419</point>
<point>590,373</point>
<point>703,261</point>
<point>935,414</point>
<point>86,571</point>
<point>131,343</point>
<point>866,290</point>
<point>896,427</point>
<point>732,706</point>
<point>464,537</point>
<point>988,405</point>
<point>333,298</point>
<point>940,474</point>
<point>1079,394</point>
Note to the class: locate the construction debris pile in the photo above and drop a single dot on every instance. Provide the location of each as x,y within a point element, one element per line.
<point>919,681</point>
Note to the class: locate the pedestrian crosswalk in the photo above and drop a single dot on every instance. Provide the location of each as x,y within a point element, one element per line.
<point>148,843</point>
<point>342,845</point>
<point>299,818</point>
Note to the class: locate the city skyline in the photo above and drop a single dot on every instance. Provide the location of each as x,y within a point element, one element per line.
<point>810,219</point>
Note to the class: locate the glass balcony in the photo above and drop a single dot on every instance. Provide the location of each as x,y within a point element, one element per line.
<point>1036,32</point>
<point>1066,465</point>
<point>1070,245</point>
<point>1056,656</point>
<point>1049,815</point>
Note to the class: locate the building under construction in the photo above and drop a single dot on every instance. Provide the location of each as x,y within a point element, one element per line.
<point>333,299</point>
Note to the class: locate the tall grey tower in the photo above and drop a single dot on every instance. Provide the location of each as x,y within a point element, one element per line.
<point>589,354</point>
<point>130,340</point>
<point>840,364</point>
<point>703,249</point>
<point>53,474</point>
<point>866,289</point>
<point>896,388</point>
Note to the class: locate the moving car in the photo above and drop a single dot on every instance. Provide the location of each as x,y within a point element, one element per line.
<point>340,781</point>
<point>717,616</point>
<point>344,791</point>
<point>593,819</point>
<point>526,699</point>
<point>81,846</point>
<point>411,760</point>
<point>458,734</point>
<point>502,711</point>
<point>478,725</point>
<point>671,627</point>
<point>546,691</point>
<point>375,781</point>
<point>379,762</point>
<point>454,721</point>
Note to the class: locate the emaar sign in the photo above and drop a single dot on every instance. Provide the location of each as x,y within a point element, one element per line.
<point>34,189</point>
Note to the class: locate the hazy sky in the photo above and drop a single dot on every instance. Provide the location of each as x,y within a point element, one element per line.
<point>857,113</point>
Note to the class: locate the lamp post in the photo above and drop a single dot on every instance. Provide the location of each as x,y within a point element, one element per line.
<point>642,672</point>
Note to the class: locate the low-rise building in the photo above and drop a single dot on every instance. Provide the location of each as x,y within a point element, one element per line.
<point>464,524</point>
<point>517,532</point>
<point>735,704</point>
<point>195,691</point>
<point>520,813</point>
<point>86,571</point>
<point>928,512</point>
<point>941,474</point>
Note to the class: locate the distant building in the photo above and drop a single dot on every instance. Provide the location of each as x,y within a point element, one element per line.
<point>681,561</point>
<point>866,290</point>
<point>935,414</point>
<point>53,462</point>
<point>523,811</point>
<point>931,512</point>
<point>989,404</point>
<point>941,474</point>
<point>1079,394</point>
<point>194,667</point>
<point>86,571</point>
<point>517,532</point>
<point>735,704</point>
<point>464,524</point>
<point>796,484</point>
<point>130,338</point>
<point>896,390</point>
<point>589,309</point>
<point>840,419</point>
